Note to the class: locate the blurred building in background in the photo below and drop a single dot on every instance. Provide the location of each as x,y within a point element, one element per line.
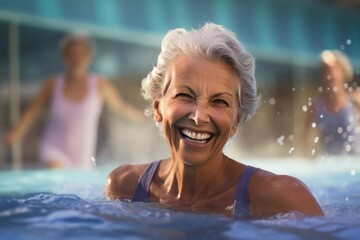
<point>285,36</point>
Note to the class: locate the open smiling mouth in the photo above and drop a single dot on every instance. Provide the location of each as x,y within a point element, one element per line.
<point>195,137</point>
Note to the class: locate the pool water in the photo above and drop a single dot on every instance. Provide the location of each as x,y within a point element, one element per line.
<point>70,204</point>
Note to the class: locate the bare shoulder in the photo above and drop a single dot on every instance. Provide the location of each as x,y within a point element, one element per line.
<point>271,194</point>
<point>122,181</point>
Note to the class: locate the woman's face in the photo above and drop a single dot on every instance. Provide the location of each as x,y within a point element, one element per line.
<point>77,57</point>
<point>199,108</point>
<point>333,76</point>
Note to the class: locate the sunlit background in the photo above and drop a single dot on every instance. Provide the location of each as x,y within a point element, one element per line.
<point>285,36</point>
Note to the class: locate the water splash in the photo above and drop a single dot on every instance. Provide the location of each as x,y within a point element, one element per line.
<point>272,101</point>
<point>304,108</point>
<point>93,160</point>
<point>348,147</point>
<point>280,140</point>
<point>291,150</point>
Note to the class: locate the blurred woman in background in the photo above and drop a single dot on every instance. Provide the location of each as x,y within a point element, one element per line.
<point>335,112</point>
<point>75,100</point>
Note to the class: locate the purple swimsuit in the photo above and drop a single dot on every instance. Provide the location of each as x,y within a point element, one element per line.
<point>242,209</point>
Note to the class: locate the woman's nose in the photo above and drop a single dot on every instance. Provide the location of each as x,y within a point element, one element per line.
<point>200,114</point>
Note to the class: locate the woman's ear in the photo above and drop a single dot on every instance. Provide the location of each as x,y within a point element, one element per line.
<point>157,112</point>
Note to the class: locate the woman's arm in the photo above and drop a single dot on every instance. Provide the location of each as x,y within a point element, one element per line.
<point>31,112</point>
<point>116,103</point>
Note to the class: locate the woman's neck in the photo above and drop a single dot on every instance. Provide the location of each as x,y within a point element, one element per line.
<point>336,100</point>
<point>190,183</point>
<point>76,75</point>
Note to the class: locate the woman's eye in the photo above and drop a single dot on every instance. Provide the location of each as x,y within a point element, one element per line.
<point>183,95</point>
<point>220,102</point>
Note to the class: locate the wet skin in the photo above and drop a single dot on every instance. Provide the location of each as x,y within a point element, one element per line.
<point>199,112</point>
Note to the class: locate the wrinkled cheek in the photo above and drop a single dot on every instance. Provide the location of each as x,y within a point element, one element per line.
<point>171,135</point>
<point>222,141</point>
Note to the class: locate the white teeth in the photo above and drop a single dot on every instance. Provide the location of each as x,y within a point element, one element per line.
<point>195,136</point>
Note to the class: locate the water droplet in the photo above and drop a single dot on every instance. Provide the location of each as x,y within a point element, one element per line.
<point>320,89</point>
<point>93,161</point>
<point>321,116</point>
<point>348,148</point>
<point>348,42</point>
<point>342,46</point>
<point>349,128</point>
<point>352,172</point>
<point>316,139</point>
<point>272,101</point>
<point>313,152</point>
<point>280,140</point>
<point>340,130</point>
<point>313,124</point>
<point>328,77</point>
<point>291,137</point>
<point>346,85</point>
<point>293,89</point>
<point>304,108</point>
<point>291,150</point>
<point>347,199</point>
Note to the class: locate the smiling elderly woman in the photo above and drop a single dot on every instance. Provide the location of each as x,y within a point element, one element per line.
<point>202,88</point>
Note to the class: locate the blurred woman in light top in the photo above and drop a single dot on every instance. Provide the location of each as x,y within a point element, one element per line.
<point>75,100</point>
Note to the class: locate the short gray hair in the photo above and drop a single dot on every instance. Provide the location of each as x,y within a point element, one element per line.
<point>214,43</point>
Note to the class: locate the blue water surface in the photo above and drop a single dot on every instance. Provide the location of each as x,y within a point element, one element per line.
<point>70,204</point>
